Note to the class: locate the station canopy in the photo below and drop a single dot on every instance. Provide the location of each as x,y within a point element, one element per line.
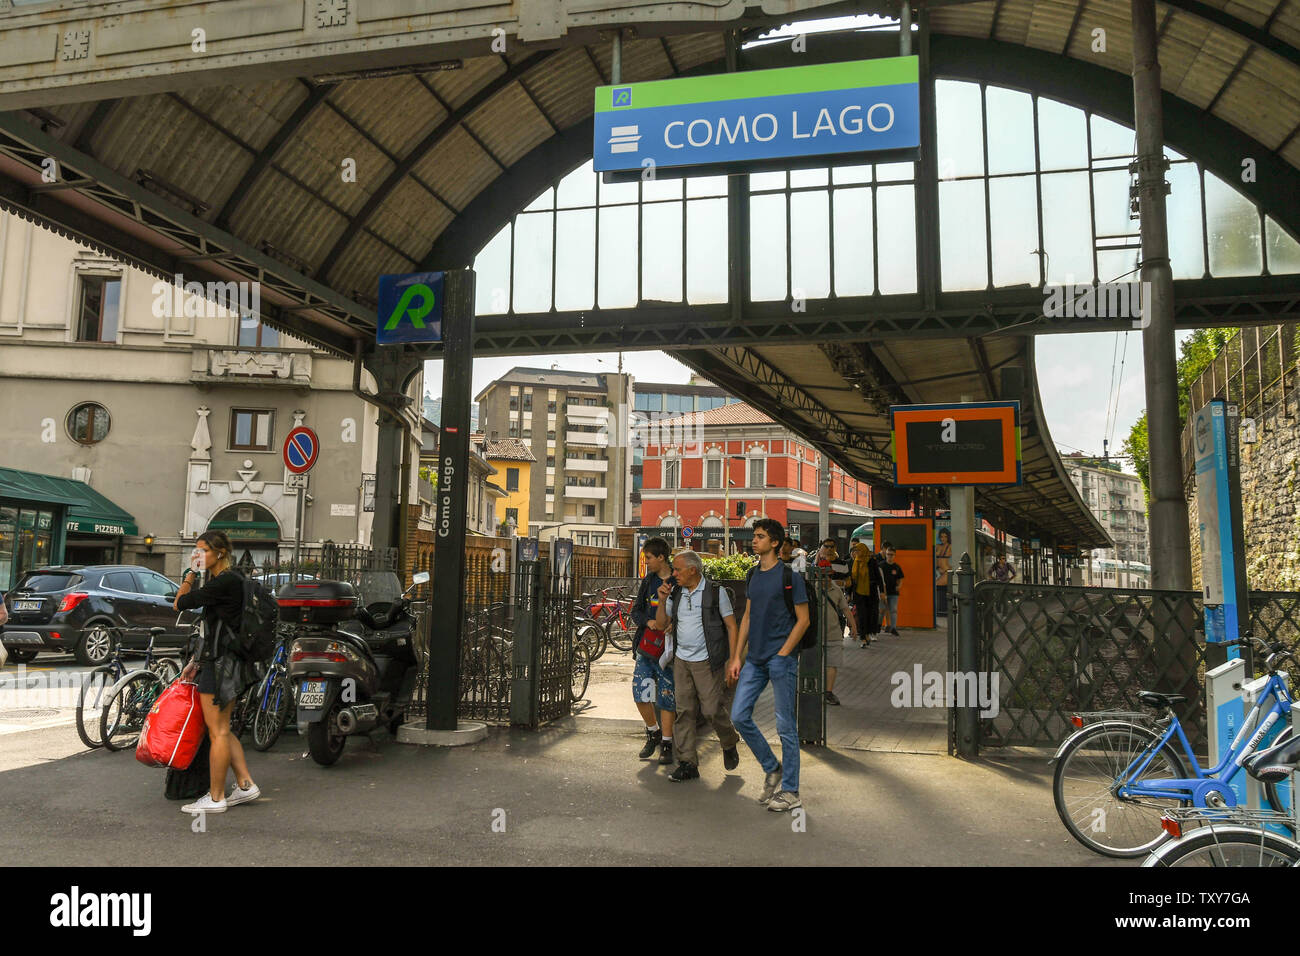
<point>238,176</point>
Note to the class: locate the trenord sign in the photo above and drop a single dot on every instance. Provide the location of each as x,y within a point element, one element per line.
<point>739,119</point>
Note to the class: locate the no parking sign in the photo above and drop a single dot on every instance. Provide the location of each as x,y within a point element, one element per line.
<point>301,449</point>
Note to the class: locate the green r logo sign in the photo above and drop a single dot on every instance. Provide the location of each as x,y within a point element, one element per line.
<point>416,312</point>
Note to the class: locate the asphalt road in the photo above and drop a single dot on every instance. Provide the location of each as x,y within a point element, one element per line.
<point>554,797</point>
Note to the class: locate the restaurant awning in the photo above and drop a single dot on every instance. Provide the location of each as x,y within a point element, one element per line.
<point>86,510</point>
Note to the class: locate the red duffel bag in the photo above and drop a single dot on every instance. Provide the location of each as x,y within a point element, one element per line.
<point>174,729</point>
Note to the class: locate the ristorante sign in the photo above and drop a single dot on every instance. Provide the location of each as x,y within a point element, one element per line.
<point>736,120</point>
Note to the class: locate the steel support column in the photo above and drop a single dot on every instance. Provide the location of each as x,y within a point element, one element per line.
<point>1171,563</point>
<point>393,371</point>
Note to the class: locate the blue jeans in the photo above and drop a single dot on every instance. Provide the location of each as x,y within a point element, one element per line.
<point>783,672</point>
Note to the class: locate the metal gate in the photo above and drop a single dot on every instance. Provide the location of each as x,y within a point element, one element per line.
<point>1056,651</point>
<point>516,653</point>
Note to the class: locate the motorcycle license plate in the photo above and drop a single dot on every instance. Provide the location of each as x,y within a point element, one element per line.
<point>311,694</point>
<point>27,605</point>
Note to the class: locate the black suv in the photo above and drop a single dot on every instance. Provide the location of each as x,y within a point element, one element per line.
<point>70,607</point>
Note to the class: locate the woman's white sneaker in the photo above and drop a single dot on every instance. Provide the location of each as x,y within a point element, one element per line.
<point>239,795</point>
<point>205,804</point>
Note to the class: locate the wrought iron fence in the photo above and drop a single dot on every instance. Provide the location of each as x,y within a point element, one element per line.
<point>333,562</point>
<point>1059,650</point>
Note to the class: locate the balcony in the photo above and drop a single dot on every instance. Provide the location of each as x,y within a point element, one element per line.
<point>593,439</point>
<point>584,464</point>
<point>580,491</point>
<point>282,367</point>
<point>587,414</point>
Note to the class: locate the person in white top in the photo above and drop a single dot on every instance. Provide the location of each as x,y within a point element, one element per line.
<point>794,555</point>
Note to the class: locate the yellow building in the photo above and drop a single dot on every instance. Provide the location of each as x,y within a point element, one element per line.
<point>514,465</point>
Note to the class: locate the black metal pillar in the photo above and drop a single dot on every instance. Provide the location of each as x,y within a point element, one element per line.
<point>1171,556</point>
<point>393,371</point>
<point>967,718</point>
<point>737,213</point>
<point>451,498</point>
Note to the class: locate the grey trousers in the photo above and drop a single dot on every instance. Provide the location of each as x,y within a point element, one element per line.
<point>701,690</point>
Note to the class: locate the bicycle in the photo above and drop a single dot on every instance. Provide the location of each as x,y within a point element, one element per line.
<point>98,682</point>
<point>1235,836</point>
<point>272,698</point>
<point>128,704</point>
<point>616,612</point>
<point>1114,779</point>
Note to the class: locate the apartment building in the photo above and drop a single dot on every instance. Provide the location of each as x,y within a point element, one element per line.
<point>575,425</point>
<point>1116,499</point>
<point>165,412</point>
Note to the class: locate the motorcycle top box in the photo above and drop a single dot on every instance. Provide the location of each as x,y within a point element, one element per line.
<point>316,603</point>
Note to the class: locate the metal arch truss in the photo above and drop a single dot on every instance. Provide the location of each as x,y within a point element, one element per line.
<point>739,370</point>
<point>1257,300</point>
<point>200,251</point>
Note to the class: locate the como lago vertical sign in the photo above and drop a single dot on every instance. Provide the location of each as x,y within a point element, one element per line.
<point>738,120</point>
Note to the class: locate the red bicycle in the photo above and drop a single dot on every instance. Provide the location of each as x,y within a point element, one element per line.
<point>611,609</point>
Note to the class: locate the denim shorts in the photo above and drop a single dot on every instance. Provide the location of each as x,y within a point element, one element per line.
<point>649,681</point>
<point>207,679</point>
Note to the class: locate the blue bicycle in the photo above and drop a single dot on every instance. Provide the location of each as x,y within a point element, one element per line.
<point>272,699</point>
<point>1115,779</point>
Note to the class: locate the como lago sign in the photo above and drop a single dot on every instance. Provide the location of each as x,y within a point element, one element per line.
<point>738,121</point>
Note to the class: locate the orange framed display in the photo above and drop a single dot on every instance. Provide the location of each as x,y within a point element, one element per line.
<point>913,541</point>
<point>974,443</point>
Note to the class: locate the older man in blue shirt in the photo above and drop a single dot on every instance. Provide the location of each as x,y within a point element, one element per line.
<point>704,636</point>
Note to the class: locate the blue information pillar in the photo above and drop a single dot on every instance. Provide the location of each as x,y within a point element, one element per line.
<point>1217,448</point>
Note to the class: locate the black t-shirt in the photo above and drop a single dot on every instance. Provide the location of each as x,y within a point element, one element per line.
<point>893,574</point>
<point>222,599</point>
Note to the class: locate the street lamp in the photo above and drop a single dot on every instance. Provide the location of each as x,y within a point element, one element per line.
<point>726,501</point>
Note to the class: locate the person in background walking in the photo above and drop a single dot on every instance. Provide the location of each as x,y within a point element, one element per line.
<point>652,678</point>
<point>222,675</point>
<point>833,624</point>
<point>891,580</point>
<point>864,576</point>
<point>793,555</point>
<point>704,639</point>
<point>1001,570</point>
<point>771,633</point>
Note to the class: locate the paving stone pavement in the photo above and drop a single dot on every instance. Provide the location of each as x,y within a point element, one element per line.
<point>866,718</point>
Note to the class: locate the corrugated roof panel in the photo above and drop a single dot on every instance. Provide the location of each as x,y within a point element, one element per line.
<point>1254,12</point>
<point>252,113</point>
<point>456,86</point>
<point>509,125</point>
<point>411,219</point>
<point>362,263</point>
<point>1249,103</point>
<point>645,60</point>
<point>693,49</point>
<point>964,19</point>
<point>1013,22</point>
<point>1213,64</point>
<point>279,211</point>
<point>1287,25</point>
<point>458,169</point>
<point>564,87</point>
<point>317,155</point>
<point>1049,23</point>
<point>397,111</point>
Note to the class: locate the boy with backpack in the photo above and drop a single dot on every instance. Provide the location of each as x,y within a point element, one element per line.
<point>776,617</point>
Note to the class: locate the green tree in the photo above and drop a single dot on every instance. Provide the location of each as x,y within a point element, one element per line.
<point>1197,351</point>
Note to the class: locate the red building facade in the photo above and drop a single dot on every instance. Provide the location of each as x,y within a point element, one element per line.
<point>774,473</point>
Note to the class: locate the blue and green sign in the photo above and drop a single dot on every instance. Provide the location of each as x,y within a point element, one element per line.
<point>410,308</point>
<point>740,118</point>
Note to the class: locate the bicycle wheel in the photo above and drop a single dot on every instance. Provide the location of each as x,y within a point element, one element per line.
<point>272,711</point>
<point>618,633</point>
<point>242,712</point>
<point>579,672</point>
<point>591,636</point>
<point>1278,792</point>
<point>1082,788</point>
<point>1218,846</point>
<point>166,668</point>
<point>129,703</point>
<point>90,704</point>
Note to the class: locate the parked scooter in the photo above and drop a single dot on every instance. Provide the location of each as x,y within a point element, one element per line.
<point>352,669</point>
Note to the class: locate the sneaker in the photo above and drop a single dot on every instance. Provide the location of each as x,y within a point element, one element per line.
<point>730,758</point>
<point>770,784</point>
<point>894,631</point>
<point>685,771</point>
<point>665,753</point>
<point>785,800</point>
<point>205,804</point>
<point>866,644</point>
<point>652,739</point>
<point>239,795</point>
<point>832,699</point>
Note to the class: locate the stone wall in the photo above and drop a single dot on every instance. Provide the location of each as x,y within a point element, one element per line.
<point>1270,473</point>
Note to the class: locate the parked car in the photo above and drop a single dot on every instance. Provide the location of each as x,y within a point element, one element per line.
<point>69,608</point>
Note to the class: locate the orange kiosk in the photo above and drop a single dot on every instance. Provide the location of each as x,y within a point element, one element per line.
<point>913,541</point>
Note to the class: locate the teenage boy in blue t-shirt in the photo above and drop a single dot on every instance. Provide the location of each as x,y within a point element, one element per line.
<point>772,635</point>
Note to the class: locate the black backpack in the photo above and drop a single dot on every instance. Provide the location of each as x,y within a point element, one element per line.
<point>809,638</point>
<point>256,638</point>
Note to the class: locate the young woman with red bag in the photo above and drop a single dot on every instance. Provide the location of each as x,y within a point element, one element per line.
<point>222,675</point>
